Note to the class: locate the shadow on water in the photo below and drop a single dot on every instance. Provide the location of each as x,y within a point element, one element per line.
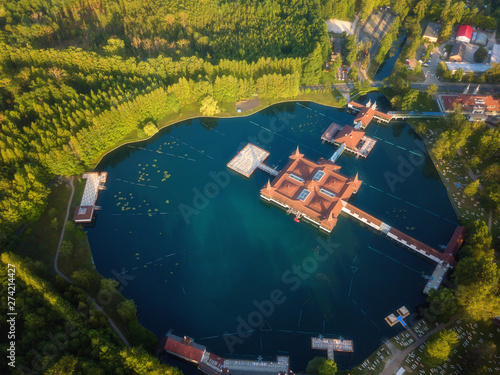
<point>376,97</point>
<point>390,60</point>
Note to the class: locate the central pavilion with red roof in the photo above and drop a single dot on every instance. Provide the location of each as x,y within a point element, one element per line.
<point>315,191</point>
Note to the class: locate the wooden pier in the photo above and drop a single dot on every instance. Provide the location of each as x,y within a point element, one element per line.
<point>331,345</point>
<point>393,320</point>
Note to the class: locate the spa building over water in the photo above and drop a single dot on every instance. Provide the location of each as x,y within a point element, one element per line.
<point>314,191</point>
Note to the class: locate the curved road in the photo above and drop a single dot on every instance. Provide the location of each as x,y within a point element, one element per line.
<point>56,268</point>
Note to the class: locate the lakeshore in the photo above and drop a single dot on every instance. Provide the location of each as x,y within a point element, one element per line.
<point>149,240</point>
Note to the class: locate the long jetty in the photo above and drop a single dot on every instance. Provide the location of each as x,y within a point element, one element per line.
<point>396,235</point>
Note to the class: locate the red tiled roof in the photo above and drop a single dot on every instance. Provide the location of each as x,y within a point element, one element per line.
<point>365,115</point>
<point>375,112</point>
<point>216,361</point>
<point>318,205</point>
<point>468,102</point>
<point>83,214</point>
<point>184,348</point>
<point>465,30</point>
<point>453,245</point>
<point>349,136</point>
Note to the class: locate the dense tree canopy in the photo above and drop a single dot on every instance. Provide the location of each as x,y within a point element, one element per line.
<point>60,332</point>
<point>438,347</point>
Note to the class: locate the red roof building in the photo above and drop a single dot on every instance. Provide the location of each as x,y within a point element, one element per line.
<point>83,214</point>
<point>313,191</point>
<point>464,33</point>
<point>454,245</point>
<point>350,136</point>
<point>364,116</point>
<point>184,348</point>
<point>481,104</point>
<point>367,113</point>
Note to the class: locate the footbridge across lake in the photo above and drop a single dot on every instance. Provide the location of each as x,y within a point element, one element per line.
<point>402,115</point>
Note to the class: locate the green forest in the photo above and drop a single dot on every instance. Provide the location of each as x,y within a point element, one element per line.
<point>79,77</point>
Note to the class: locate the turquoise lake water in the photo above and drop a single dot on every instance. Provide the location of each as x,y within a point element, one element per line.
<point>198,274</point>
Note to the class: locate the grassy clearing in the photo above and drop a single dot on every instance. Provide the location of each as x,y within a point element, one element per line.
<point>39,240</point>
<point>425,104</point>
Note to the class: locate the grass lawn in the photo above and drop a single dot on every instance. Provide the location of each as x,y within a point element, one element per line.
<point>425,104</point>
<point>81,257</point>
<point>415,76</point>
<point>39,240</point>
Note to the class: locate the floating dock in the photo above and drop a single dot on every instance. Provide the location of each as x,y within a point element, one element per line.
<point>402,313</point>
<point>85,211</point>
<point>331,345</point>
<point>249,159</point>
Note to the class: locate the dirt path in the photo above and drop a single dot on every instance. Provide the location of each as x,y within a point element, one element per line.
<point>56,268</point>
<point>56,259</point>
